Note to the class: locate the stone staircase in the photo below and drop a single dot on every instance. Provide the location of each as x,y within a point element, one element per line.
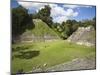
<point>85,36</point>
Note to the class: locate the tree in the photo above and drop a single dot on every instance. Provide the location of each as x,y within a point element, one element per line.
<point>80,24</point>
<point>75,27</point>
<point>88,22</point>
<point>34,16</point>
<point>67,28</point>
<point>94,22</point>
<point>44,15</point>
<point>21,21</point>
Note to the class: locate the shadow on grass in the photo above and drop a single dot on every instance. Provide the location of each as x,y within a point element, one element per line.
<point>27,54</point>
<point>19,48</point>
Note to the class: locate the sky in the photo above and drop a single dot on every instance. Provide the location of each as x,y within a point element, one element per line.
<point>59,12</point>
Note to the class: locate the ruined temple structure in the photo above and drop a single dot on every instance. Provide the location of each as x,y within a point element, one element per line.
<point>84,36</point>
<point>41,32</point>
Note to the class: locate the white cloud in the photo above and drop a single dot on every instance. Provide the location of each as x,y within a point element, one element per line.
<point>58,13</point>
<point>60,19</point>
<point>70,6</point>
<point>75,14</point>
<point>55,11</point>
<point>76,6</point>
<point>71,13</point>
<point>53,5</point>
<point>29,5</point>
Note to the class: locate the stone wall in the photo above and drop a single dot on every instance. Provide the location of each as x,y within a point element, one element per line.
<point>83,36</point>
<point>29,37</point>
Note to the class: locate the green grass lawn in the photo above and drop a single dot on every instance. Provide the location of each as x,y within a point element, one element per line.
<point>27,56</point>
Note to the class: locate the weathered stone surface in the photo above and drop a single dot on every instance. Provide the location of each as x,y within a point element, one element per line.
<point>41,32</point>
<point>83,36</point>
<point>75,64</point>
